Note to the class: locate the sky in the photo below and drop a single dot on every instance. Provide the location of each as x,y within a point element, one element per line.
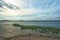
<point>29,9</point>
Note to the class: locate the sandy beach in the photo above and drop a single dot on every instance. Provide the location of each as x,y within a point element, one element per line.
<point>30,37</point>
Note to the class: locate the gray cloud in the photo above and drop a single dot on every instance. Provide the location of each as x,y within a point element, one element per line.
<point>10,6</point>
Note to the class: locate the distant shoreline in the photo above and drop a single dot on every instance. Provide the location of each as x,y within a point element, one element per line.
<point>33,20</point>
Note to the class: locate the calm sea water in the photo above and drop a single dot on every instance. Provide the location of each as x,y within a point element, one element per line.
<point>48,24</point>
<point>7,29</point>
<point>39,23</point>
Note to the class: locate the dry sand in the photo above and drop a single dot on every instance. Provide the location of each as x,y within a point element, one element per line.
<point>31,37</point>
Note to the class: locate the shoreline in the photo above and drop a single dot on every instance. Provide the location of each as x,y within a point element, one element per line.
<point>41,29</point>
<point>33,33</point>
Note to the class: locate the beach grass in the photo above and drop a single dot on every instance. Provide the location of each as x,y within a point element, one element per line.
<point>44,29</point>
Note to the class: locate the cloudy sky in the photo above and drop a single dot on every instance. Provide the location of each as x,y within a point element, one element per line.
<point>29,9</point>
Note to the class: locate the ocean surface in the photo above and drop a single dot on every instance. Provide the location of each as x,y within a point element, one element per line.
<point>7,29</point>
<point>36,23</point>
<point>47,24</point>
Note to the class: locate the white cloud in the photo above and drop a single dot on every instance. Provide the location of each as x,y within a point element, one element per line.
<point>40,13</point>
<point>9,12</point>
<point>12,13</point>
